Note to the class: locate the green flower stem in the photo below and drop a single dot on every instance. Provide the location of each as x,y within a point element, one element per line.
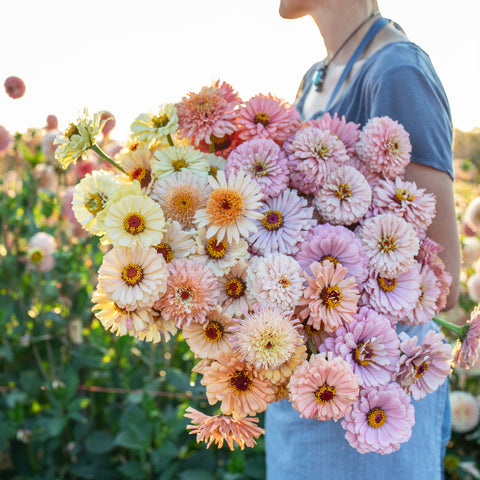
<point>170,141</point>
<point>100,152</point>
<point>313,349</point>
<point>459,330</point>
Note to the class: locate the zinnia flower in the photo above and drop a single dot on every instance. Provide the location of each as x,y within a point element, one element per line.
<point>344,197</point>
<point>466,352</point>
<point>220,428</point>
<point>138,165</point>
<point>158,329</point>
<point>384,146</point>
<point>472,215</point>
<point>175,242</point>
<point>264,161</point>
<point>233,295</point>
<point>192,291</point>
<point>181,158</point>
<point>221,146</point>
<point>323,388</point>
<point>41,248</point>
<point>283,224</point>
<point>5,139</point>
<point>78,139</point>
<point>109,123</point>
<point>266,116</point>
<point>380,420</point>
<point>390,243</point>
<point>48,145</point>
<point>465,411</point>
<point>15,87</point>
<point>231,207</point>
<point>133,277</point>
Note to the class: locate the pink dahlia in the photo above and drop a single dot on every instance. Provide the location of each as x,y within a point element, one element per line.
<point>15,87</point>
<point>312,155</point>
<point>330,298</point>
<point>323,388</point>
<point>237,385</point>
<point>384,145</point>
<point>390,243</point>
<point>395,297</point>
<point>264,161</point>
<point>209,112</point>
<point>380,420</point>
<point>5,139</point>
<point>405,200</point>
<point>344,197</point>
<point>426,306</point>
<point>347,132</point>
<point>466,353</point>
<point>220,428</point>
<point>192,291</point>
<point>423,368</point>
<point>285,221</point>
<point>266,116</point>
<point>369,345</point>
<point>337,244</point>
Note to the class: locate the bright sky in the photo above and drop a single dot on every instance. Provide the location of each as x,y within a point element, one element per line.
<point>129,56</point>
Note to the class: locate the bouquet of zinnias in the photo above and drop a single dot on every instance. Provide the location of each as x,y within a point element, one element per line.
<point>285,252</point>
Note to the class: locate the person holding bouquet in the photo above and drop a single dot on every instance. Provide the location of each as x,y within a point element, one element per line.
<point>373,70</point>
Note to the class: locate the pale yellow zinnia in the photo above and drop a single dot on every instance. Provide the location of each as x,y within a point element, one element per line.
<point>180,158</point>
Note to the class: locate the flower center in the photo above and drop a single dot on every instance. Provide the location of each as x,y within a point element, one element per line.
<point>240,382</point>
<point>216,249</point>
<point>310,330</point>
<point>95,203</point>
<point>272,220</point>
<point>284,282</point>
<point>224,206</point>
<point>179,164</point>
<point>421,370</point>
<point>343,191</point>
<point>213,331</point>
<point>36,255</point>
<point>387,284</point>
<point>393,146</point>
<point>132,274</point>
<point>403,195</point>
<point>330,258</point>
<point>364,354</point>
<point>142,175</point>
<point>376,417</point>
<point>260,169</point>
<point>159,121</point>
<point>221,143</point>
<point>325,394</point>
<point>331,296</point>
<point>166,250</point>
<point>263,118</point>
<point>387,244</point>
<point>182,201</point>
<point>118,309</point>
<point>322,151</point>
<point>185,294</point>
<point>235,287</point>
<point>134,223</point>
<point>213,171</point>
<point>71,130</point>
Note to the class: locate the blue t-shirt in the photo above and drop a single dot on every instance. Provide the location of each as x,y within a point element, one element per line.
<point>399,81</point>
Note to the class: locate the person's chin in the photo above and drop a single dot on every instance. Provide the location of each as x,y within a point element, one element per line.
<point>288,12</point>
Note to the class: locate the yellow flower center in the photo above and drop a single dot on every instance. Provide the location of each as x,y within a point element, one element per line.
<point>387,284</point>
<point>132,274</point>
<point>421,370</point>
<point>240,382</point>
<point>376,417</point>
<point>364,354</point>
<point>221,143</point>
<point>142,175</point>
<point>284,282</point>
<point>134,223</point>
<point>343,191</point>
<point>166,250</point>
<point>216,249</point>
<point>95,203</point>
<point>310,330</point>
<point>224,206</point>
<point>325,394</point>
<point>36,255</point>
<point>213,331</point>
<point>118,309</point>
<point>322,151</point>
<point>387,244</point>
<point>235,287</point>
<point>331,296</point>
<point>263,118</point>
<point>182,201</point>
<point>213,171</point>
<point>330,258</point>
<point>403,195</point>
<point>71,130</point>
<point>159,121</point>
<point>179,164</point>
<point>272,220</point>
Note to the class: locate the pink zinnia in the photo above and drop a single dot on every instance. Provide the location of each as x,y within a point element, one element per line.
<point>312,155</point>
<point>264,161</point>
<point>348,132</point>
<point>380,420</point>
<point>323,388</point>
<point>369,345</point>
<point>331,298</point>
<point>15,87</point>
<point>192,291</point>
<point>390,243</point>
<point>344,197</point>
<point>428,251</point>
<point>472,215</point>
<point>5,139</point>
<point>384,145</point>
<point>466,353</point>
<point>109,124</point>
<point>220,428</point>
<point>337,244</point>
<point>406,200</point>
<point>444,280</point>
<point>423,368</point>
<point>395,297</point>
<point>52,122</point>
<point>266,116</point>
<point>221,146</point>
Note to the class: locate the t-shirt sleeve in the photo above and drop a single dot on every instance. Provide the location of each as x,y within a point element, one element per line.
<point>414,97</point>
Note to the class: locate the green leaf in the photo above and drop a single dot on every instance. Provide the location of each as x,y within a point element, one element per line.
<point>162,456</point>
<point>129,440</point>
<point>133,470</point>
<point>195,475</point>
<point>99,443</point>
